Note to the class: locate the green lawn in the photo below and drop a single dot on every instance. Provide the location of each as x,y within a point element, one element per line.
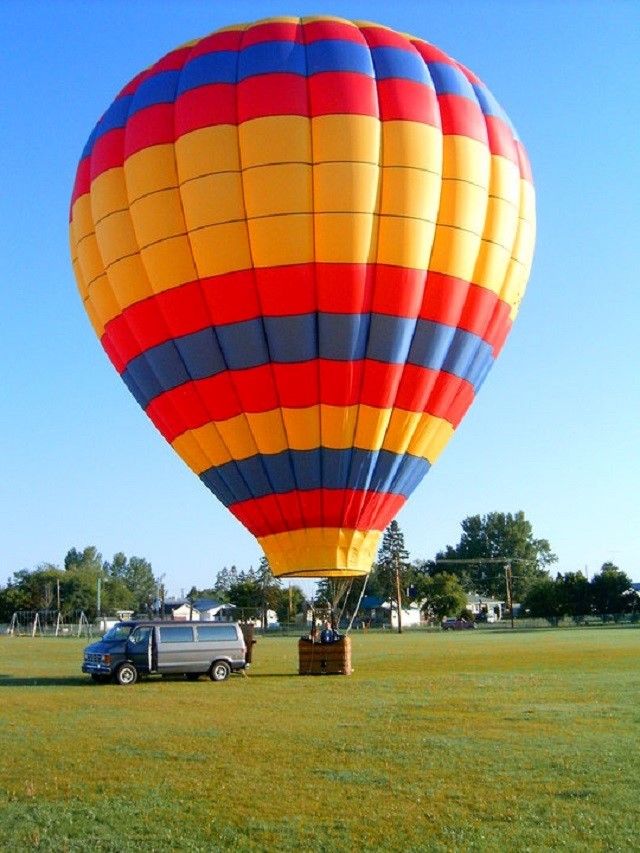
<point>439,741</point>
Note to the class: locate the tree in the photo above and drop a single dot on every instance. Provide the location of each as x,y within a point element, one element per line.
<point>393,565</point>
<point>497,536</point>
<point>441,594</point>
<point>134,575</point>
<point>544,598</point>
<point>576,595</point>
<point>610,591</point>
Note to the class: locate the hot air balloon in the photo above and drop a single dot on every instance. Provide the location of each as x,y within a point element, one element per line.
<point>302,244</point>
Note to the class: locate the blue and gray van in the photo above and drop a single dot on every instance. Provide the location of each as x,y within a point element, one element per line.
<point>131,649</point>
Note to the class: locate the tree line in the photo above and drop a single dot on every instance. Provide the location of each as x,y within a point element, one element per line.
<point>477,564</point>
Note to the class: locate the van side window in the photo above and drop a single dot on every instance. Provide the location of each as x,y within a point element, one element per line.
<point>216,632</point>
<point>139,636</point>
<point>176,634</point>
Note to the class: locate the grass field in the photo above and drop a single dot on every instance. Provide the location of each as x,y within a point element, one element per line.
<point>439,741</point>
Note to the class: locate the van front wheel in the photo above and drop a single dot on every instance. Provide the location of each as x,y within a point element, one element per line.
<point>126,674</point>
<point>219,671</point>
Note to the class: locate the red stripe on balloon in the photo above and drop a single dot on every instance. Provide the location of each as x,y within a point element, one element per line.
<point>352,508</point>
<point>462,117</point>
<point>303,289</point>
<point>205,106</point>
<point>231,393</point>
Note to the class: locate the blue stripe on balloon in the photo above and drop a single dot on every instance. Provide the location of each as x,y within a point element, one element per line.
<point>272,57</point>
<point>292,338</point>
<point>448,80</point>
<point>301,338</point>
<point>489,105</point>
<point>306,470</point>
<point>115,117</point>
<point>159,88</point>
<point>338,55</point>
<point>390,338</point>
<point>343,337</point>
<point>395,62</point>
<point>218,67</point>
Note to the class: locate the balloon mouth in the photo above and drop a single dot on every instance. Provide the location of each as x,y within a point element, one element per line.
<point>321,552</point>
<point>324,573</point>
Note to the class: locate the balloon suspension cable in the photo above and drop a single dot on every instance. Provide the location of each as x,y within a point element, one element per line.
<point>346,591</point>
<point>357,608</point>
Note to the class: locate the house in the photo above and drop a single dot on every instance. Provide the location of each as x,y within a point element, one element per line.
<point>482,605</point>
<point>184,613</point>
<point>210,610</point>
<point>376,611</point>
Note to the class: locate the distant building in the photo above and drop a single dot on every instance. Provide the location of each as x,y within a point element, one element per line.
<point>210,610</point>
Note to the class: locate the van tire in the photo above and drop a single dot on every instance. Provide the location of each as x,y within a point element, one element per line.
<point>220,670</point>
<point>126,674</point>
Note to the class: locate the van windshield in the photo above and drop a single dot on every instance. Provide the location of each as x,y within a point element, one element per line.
<point>118,632</point>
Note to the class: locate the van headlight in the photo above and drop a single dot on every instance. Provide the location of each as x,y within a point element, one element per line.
<point>106,658</point>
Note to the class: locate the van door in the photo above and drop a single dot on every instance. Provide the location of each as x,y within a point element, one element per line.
<point>139,648</point>
<point>177,649</point>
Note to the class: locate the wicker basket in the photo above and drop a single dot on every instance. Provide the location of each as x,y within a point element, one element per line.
<point>325,658</point>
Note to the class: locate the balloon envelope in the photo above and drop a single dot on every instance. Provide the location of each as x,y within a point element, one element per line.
<point>302,244</point>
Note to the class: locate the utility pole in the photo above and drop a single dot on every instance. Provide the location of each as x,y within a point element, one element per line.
<point>398,593</point>
<point>509,583</point>
<point>98,595</point>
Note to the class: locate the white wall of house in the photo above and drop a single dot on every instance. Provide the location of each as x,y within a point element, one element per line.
<point>410,617</point>
<point>184,613</point>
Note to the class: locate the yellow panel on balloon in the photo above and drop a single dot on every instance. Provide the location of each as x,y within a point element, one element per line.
<point>207,151</point>
<point>454,252</point>
<point>129,280</point>
<point>430,437</point>
<point>302,427</point>
<point>504,181</point>
<point>410,192</point>
<point>346,138</point>
<point>275,139</point>
<point>82,217</point>
<point>402,426</point>
<point>212,200</point>
<point>501,222</point>
<point>278,240</point>
<point>338,424</point>
<point>321,552</point>
<point>169,263</point>
<point>405,242</point>
<point>157,217</point>
<point>463,205</point>
<point>466,159</point>
<point>276,189</point>
<point>104,300</point>
<point>90,259</point>
<point>412,144</point>
<point>346,238</point>
<point>371,427</point>
<point>151,170</point>
<point>491,266</point>
<point>268,431</point>
<point>237,436</point>
<point>116,237</point>
<point>108,193</point>
<point>221,248</point>
<point>202,448</point>
<point>345,187</point>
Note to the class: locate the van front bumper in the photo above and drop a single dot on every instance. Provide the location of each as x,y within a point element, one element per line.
<point>96,668</point>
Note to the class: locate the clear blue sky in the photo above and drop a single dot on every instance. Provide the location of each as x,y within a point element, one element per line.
<point>554,431</point>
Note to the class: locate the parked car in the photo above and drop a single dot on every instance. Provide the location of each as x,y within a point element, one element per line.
<point>131,649</point>
<point>457,625</point>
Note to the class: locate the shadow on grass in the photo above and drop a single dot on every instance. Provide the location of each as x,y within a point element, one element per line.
<point>45,681</point>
